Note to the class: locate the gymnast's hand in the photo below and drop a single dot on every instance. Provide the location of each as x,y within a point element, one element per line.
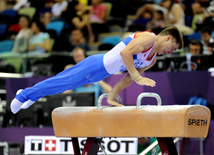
<point>114,103</point>
<point>146,82</point>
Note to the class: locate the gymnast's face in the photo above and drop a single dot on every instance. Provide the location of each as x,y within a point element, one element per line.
<point>168,46</point>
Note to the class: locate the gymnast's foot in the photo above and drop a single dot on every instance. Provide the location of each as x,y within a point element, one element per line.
<point>16,105</point>
<point>111,102</point>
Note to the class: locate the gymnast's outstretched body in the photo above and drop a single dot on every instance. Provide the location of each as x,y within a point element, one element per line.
<point>135,54</point>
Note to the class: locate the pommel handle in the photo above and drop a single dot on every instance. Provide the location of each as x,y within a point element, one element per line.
<point>99,106</point>
<point>139,98</point>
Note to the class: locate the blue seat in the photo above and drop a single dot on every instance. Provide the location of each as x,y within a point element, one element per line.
<point>188,20</point>
<point>3,28</point>
<point>10,12</point>
<point>213,34</point>
<point>113,40</point>
<point>195,35</point>
<point>43,10</point>
<point>142,21</point>
<point>6,45</point>
<point>57,26</point>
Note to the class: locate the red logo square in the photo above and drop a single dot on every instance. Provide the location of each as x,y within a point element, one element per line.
<point>50,145</point>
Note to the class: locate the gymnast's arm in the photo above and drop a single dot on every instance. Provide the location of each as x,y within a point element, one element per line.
<point>142,42</point>
<point>123,83</point>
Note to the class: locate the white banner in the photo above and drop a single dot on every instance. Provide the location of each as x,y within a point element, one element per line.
<point>53,145</point>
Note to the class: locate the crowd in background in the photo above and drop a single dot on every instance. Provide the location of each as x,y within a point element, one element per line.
<point>61,25</point>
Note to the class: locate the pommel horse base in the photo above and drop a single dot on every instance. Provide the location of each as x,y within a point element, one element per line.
<point>163,122</point>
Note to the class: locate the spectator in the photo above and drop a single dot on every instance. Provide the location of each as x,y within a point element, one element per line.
<point>157,22</point>
<point>193,7</point>
<point>206,36</point>
<point>98,88</point>
<point>45,18</point>
<point>147,12</point>
<point>176,17</point>
<point>76,20</point>
<point>98,12</point>
<point>84,4</point>
<point>21,40</point>
<point>20,4</point>
<point>40,41</point>
<point>78,55</point>
<point>58,8</point>
<point>210,47</point>
<point>56,12</point>
<point>195,47</point>
<point>206,8</point>
<point>151,8</point>
<point>3,5</point>
<point>144,142</point>
<point>49,3</point>
<point>78,40</point>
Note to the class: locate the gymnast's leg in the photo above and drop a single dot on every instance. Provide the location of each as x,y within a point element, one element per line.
<point>87,71</point>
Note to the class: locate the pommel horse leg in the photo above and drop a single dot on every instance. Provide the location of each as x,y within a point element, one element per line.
<point>184,146</point>
<point>76,146</point>
<point>91,147</point>
<point>167,146</point>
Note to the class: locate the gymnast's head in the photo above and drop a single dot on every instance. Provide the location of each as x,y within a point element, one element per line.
<point>169,40</point>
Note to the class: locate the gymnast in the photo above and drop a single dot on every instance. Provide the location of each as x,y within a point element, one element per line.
<point>136,54</point>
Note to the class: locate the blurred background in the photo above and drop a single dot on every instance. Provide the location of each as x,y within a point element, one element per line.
<point>40,38</point>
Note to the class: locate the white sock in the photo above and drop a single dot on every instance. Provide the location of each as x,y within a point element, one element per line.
<point>15,105</point>
<point>27,104</point>
<point>18,91</point>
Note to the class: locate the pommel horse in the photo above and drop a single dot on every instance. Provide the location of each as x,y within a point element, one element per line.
<point>162,122</point>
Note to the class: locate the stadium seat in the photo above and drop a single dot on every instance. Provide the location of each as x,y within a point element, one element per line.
<point>142,21</point>
<point>57,26</point>
<point>114,40</point>
<point>29,11</point>
<point>6,45</point>
<point>16,62</point>
<point>195,35</point>
<point>213,34</point>
<point>109,42</point>
<point>14,27</point>
<point>195,19</point>
<point>188,20</point>
<point>52,44</point>
<point>3,28</point>
<point>109,7</point>
<point>10,12</point>
<point>43,10</point>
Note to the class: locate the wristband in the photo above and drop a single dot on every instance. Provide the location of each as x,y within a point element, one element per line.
<point>136,76</point>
